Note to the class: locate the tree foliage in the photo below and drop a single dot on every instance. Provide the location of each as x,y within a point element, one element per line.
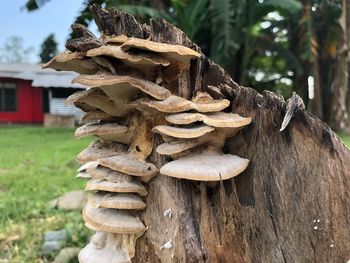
<point>48,49</point>
<point>267,44</point>
<point>13,51</point>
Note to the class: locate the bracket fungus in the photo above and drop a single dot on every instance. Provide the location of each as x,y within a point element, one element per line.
<point>124,111</point>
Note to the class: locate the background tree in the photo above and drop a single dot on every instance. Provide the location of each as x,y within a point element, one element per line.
<point>13,51</point>
<point>48,49</point>
<point>267,44</point>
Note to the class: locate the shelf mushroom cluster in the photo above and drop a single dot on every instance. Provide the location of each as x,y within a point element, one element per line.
<point>125,102</point>
<point>196,137</point>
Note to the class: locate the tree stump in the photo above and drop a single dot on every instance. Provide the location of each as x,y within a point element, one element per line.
<point>290,205</point>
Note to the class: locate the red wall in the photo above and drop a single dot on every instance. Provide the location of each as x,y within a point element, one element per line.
<point>29,104</point>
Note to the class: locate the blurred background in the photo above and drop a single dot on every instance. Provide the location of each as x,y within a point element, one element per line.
<point>283,46</point>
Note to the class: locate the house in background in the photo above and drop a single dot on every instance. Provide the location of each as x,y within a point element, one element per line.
<point>29,93</point>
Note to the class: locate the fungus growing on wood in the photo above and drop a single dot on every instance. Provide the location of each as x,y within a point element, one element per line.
<point>217,119</point>
<point>96,115</point>
<point>125,184</point>
<point>129,164</point>
<point>124,105</point>
<point>139,60</point>
<point>99,149</point>
<point>92,100</point>
<point>125,87</point>
<point>101,172</point>
<point>107,131</point>
<point>116,201</point>
<point>177,53</point>
<point>208,166</point>
<point>109,247</point>
<point>112,220</point>
<point>175,104</point>
<point>73,61</point>
<point>118,244</point>
<point>179,132</point>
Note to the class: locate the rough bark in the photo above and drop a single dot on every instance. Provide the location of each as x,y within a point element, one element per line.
<point>290,205</point>
<point>339,117</point>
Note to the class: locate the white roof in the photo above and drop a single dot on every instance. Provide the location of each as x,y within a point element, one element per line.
<point>40,77</point>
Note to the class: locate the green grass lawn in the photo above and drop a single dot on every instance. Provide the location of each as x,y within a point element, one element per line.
<point>36,165</point>
<point>345,138</point>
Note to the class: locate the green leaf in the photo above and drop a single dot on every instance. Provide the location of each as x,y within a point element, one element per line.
<point>142,11</point>
<point>291,6</point>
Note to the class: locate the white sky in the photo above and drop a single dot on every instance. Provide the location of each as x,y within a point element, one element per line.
<point>56,16</point>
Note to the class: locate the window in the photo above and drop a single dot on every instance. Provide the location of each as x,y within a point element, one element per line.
<point>8,96</point>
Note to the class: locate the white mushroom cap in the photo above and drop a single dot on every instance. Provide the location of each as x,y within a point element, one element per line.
<point>109,247</point>
<point>112,220</point>
<point>107,131</point>
<point>206,167</point>
<point>116,201</point>
<point>124,185</point>
<point>185,133</point>
<point>72,61</point>
<point>129,164</point>
<point>217,119</point>
<point>178,146</point>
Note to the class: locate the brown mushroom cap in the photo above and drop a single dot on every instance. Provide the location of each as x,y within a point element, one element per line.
<point>112,220</point>
<point>85,166</point>
<point>72,61</point>
<point>125,184</point>
<point>99,149</point>
<point>107,131</point>
<point>116,201</point>
<point>144,60</point>
<point>178,146</point>
<point>203,102</point>
<point>83,175</point>
<point>169,105</point>
<point>95,115</point>
<point>184,133</point>
<point>129,164</point>
<point>175,104</point>
<point>94,99</point>
<point>105,173</point>
<point>122,86</point>
<point>174,52</point>
<point>206,167</point>
<point>217,119</point>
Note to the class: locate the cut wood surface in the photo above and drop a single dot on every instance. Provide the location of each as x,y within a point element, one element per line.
<point>292,204</point>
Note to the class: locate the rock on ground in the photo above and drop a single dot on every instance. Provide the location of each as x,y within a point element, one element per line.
<point>74,200</point>
<point>53,241</point>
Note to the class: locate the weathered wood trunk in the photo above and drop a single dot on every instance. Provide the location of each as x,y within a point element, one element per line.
<point>290,205</point>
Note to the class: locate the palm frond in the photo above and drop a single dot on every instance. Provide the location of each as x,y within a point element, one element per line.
<point>222,21</point>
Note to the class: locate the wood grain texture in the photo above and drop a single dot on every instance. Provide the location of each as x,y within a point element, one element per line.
<point>290,205</point>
